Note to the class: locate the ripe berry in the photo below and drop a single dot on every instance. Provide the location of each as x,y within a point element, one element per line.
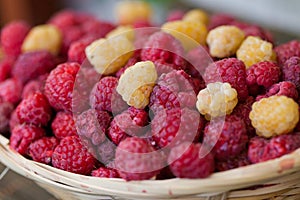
<point>70,155</point>
<point>287,50</point>
<point>63,125</point>
<point>189,160</point>
<point>11,90</point>
<point>291,71</point>
<point>104,172</point>
<point>238,161</point>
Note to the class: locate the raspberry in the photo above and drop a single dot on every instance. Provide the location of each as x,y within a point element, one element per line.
<point>224,41</point>
<point>172,127</point>
<point>42,149</point>
<point>32,64</point>
<point>291,71</point>
<point>137,160</point>
<point>185,31</point>
<point>6,65</point>
<point>217,99</point>
<point>163,46</point>
<point>236,162</point>
<point>59,86</point>
<point>6,110</point>
<point>66,18</point>
<point>11,90</point>
<point>199,59</point>
<point>132,61</point>
<point>76,51</point>
<point>269,116</point>
<point>70,35</point>
<point>175,15</point>
<point>136,83</point>
<point>227,138</point>
<point>287,50</point>
<point>35,110</point>
<point>197,15</point>
<point>106,152</point>
<point>130,11</point>
<point>104,172</point>
<point>263,74</point>
<point>23,135</point>
<point>142,24</point>
<point>92,125</point>
<point>33,86</point>
<point>285,88</point>
<point>12,37</point>
<point>63,125</point>
<point>162,67</point>
<point>70,155</point>
<point>173,90</point>
<point>261,149</point>
<point>109,55</point>
<point>128,123</point>
<point>14,120</point>
<point>97,28</point>
<point>219,20</point>
<point>105,97</point>
<point>254,50</point>
<point>242,110</point>
<point>191,161</point>
<point>230,70</point>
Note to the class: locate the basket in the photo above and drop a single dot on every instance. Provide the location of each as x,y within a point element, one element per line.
<point>276,179</point>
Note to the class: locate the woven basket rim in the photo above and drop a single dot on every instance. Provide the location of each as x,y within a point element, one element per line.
<point>275,171</point>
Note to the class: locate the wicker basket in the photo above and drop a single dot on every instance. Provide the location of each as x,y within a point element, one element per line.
<point>275,179</point>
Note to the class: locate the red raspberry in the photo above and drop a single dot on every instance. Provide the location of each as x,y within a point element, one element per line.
<point>70,155</point>
<point>287,50</point>
<point>291,71</point>
<point>190,160</point>
<point>172,127</point>
<point>163,67</point>
<point>261,149</point>
<point>106,152</point>
<point>70,35</point>
<point>33,86</point>
<point>11,90</point>
<point>198,59</point>
<point>92,125</point>
<point>228,138</point>
<point>6,65</point>
<point>14,120</point>
<point>236,162</point>
<point>230,70</point>
<point>242,110</point>
<point>76,51</point>
<point>23,135</point>
<point>105,97</point>
<point>128,123</point>
<point>175,15</point>
<point>6,110</point>
<point>141,24</point>
<point>285,88</point>
<point>32,64</point>
<point>35,110</point>
<point>263,74</point>
<point>97,28</point>
<point>65,18</point>
<point>104,172</point>
<point>163,46</point>
<point>42,149</point>
<point>136,159</point>
<point>59,86</point>
<point>63,125</point>
<point>173,90</point>
<point>219,20</point>
<point>12,37</point>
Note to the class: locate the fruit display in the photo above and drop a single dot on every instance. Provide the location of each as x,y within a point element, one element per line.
<point>199,94</point>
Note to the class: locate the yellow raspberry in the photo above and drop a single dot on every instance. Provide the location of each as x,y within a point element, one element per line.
<point>224,41</point>
<point>217,99</point>
<point>127,12</point>
<point>43,37</point>
<point>136,84</point>
<point>197,15</point>
<point>126,30</point>
<point>254,50</point>
<point>184,31</point>
<point>275,115</point>
<point>108,55</point>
